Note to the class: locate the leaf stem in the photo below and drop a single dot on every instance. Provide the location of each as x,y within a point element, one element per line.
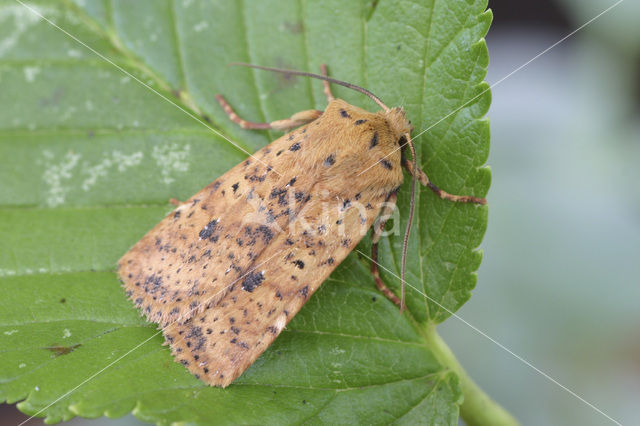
<point>477,409</point>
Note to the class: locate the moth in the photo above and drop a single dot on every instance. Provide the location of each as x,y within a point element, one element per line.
<point>225,271</point>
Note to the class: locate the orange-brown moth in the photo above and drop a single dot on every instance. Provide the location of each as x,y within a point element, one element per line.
<point>226,271</point>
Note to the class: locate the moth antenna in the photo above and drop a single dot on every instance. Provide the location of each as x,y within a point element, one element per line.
<point>319,77</point>
<point>405,243</point>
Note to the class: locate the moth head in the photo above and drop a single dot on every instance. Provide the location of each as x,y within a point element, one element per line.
<point>397,118</point>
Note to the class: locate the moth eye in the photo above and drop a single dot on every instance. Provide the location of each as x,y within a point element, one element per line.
<point>402,140</point>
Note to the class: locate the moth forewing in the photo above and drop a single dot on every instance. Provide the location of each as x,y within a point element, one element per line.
<point>222,286</point>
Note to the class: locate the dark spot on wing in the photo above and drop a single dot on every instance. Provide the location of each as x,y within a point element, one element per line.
<point>194,332</point>
<point>386,164</point>
<point>209,231</point>
<point>266,232</point>
<point>304,291</point>
<point>329,161</point>
<point>252,280</point>
<point>374,140</point>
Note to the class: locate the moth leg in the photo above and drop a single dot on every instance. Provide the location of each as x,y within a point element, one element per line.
<point>327,86</point>
<point>297,119</point>
<point>378,228</point>
<point>424,180</point>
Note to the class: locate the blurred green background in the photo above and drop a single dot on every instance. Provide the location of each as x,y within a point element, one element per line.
<point>559,284</point>
<point>560,280</point>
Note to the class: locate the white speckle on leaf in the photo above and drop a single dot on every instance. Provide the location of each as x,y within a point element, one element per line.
<point>72,18</point>
<point>449,266</point>
<point>55,174</point>
<point>126,79</point>
<point>37,388</point>
<point>125,161</point>
<point>153,37</point>
<point>30,73</point>
<point>23,19</point>
<point>22,365</point>
<point>68,113</point>
<point>171,158</point>
<point>10,332</point>
<point>95,171</point>
<point>66,333</point>
<point>200,26</point>
<point>337,351</point>
<point>7,272</point>
<point>74,53</point>
<point>116,160</point>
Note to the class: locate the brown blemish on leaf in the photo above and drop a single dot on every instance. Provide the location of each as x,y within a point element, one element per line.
<point>62,350</point>
<point>294,28</point>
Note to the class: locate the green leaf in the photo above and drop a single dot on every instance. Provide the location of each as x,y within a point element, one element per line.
<point>89,158</point>
<point>440,83</point>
